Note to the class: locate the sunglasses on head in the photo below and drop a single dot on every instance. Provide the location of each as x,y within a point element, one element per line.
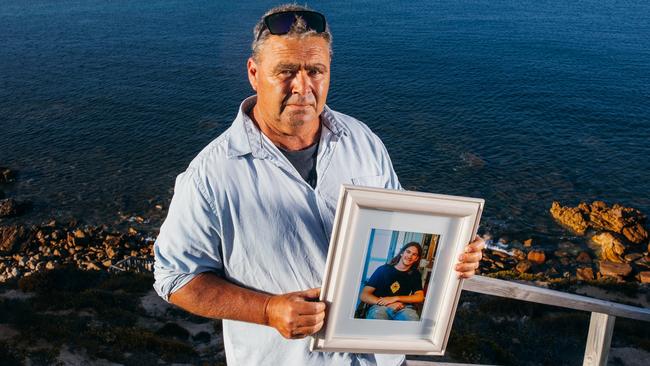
<point>281,23</point>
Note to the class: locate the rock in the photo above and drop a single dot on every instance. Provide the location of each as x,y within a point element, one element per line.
<point>133,231</point>
<point>635,233</point>
<point>107,263</point>
<point>159,207</point>
<point>583,257</point>
<point>524,266</point>
<point>79,234</point>
<point>472,160</point>
<point>585,274</point>
<point>613,218</point>
<point>528,243</point>
<point>632,257</point>
<point>518,254</point>
<point>8,207</point>
<point>565,261</point>
<point>560,253</point>
<point>644,276</point>
<point>573,218</point>
<point>49,265</point>
<point>626,221</point>
<point>13,239</point>
<point>612,248</point>
<point>500,254</point>
<point>537,256</point>
<point>6,175</point>
<point>92,266</point>
<point>612,269</point>
<point>499,264</point>
<point>111,253</point>
<point>643,262</point>
<point>15,272</point>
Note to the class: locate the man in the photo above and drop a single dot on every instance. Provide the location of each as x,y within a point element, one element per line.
<point>395,287</point>
<point>247,233</point>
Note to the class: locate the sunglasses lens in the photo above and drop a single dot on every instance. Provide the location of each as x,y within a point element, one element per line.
<point>280,23</point>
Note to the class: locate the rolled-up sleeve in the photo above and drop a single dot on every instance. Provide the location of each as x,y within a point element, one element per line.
<point>188,243</point>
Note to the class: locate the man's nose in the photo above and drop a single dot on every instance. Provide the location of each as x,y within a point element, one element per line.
<point>301,83</point>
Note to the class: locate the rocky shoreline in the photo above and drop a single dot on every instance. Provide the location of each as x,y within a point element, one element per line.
<point>70,288</point>
<point>609,243</point>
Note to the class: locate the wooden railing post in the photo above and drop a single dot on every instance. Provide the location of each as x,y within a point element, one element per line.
<point>601,328</point>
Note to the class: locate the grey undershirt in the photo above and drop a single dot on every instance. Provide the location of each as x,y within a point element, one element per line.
<point>305,162</point>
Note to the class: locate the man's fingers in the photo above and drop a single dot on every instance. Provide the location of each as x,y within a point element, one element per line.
<point>467,267</point>
<point>303,332</point>
<point>470,257</point>
<point>309,307</point>
<point>312,293</point>
<point>476,245</point>
<point>310,320</point>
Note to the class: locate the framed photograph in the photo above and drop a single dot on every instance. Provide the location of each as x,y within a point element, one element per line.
<point>389,281</point>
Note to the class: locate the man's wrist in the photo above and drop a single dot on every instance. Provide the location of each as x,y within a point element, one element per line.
<point>266,310</point>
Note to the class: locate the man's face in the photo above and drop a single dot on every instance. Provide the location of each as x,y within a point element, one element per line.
<point>291,77</point>
<point>410,256</point>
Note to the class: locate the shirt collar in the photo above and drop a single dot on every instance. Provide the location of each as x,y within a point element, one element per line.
<point>246,138</point>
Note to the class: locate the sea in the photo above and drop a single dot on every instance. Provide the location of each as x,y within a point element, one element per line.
<point>103,103</point>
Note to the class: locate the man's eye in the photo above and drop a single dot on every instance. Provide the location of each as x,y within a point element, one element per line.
<point>314,72</point>
<point>286,72</point>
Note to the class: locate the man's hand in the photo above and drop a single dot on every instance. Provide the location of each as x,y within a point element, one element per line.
<point>396,306</point>
<point>387,300</point>
<point>297,314</point>
<point>468,262</point>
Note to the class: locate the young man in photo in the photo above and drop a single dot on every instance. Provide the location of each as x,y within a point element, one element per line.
<point>395,288</point>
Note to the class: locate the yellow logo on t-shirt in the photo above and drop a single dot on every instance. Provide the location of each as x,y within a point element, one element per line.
<point>394,287</point>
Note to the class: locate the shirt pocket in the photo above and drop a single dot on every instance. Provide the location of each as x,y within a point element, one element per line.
<point>376,181</point>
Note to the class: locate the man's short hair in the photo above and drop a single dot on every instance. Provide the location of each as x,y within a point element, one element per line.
<point>298,29</point>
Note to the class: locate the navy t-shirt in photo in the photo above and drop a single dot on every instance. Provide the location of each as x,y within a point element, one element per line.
<point>389,281</point>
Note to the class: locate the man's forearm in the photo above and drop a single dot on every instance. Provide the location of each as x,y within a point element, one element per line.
<point>211,296</point>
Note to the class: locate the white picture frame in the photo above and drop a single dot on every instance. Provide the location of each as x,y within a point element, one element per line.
<point>362,209</point>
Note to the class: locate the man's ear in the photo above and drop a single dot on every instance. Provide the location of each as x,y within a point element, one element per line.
<point>252,72</point>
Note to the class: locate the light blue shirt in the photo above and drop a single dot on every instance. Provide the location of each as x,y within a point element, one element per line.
<point>242,210</point>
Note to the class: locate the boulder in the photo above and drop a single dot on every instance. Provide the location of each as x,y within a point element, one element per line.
<point>528,243</point>
<point>13,239</point>
<point>626,221</point>
<point>644,276</point>
<point>573,218</point>
<point>612,248</point>
<point>635,233</point>
<point>583,257</point>
<point>6,175</point>
<point>8,207</point>
<point>518,254</point>
<point>614,218</point>
<point>537,256</point>
<point>585,274</point>
<point>561,253</point>
<point>612,269</point>
<point>632,257</point>
<point>523,266</point>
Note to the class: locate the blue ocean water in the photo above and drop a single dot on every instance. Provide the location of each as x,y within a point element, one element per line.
<point>103,103</point>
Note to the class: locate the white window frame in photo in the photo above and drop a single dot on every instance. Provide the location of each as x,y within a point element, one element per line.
<point>361,209</point>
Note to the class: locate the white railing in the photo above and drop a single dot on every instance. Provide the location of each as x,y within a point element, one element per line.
<point>601,325</point>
